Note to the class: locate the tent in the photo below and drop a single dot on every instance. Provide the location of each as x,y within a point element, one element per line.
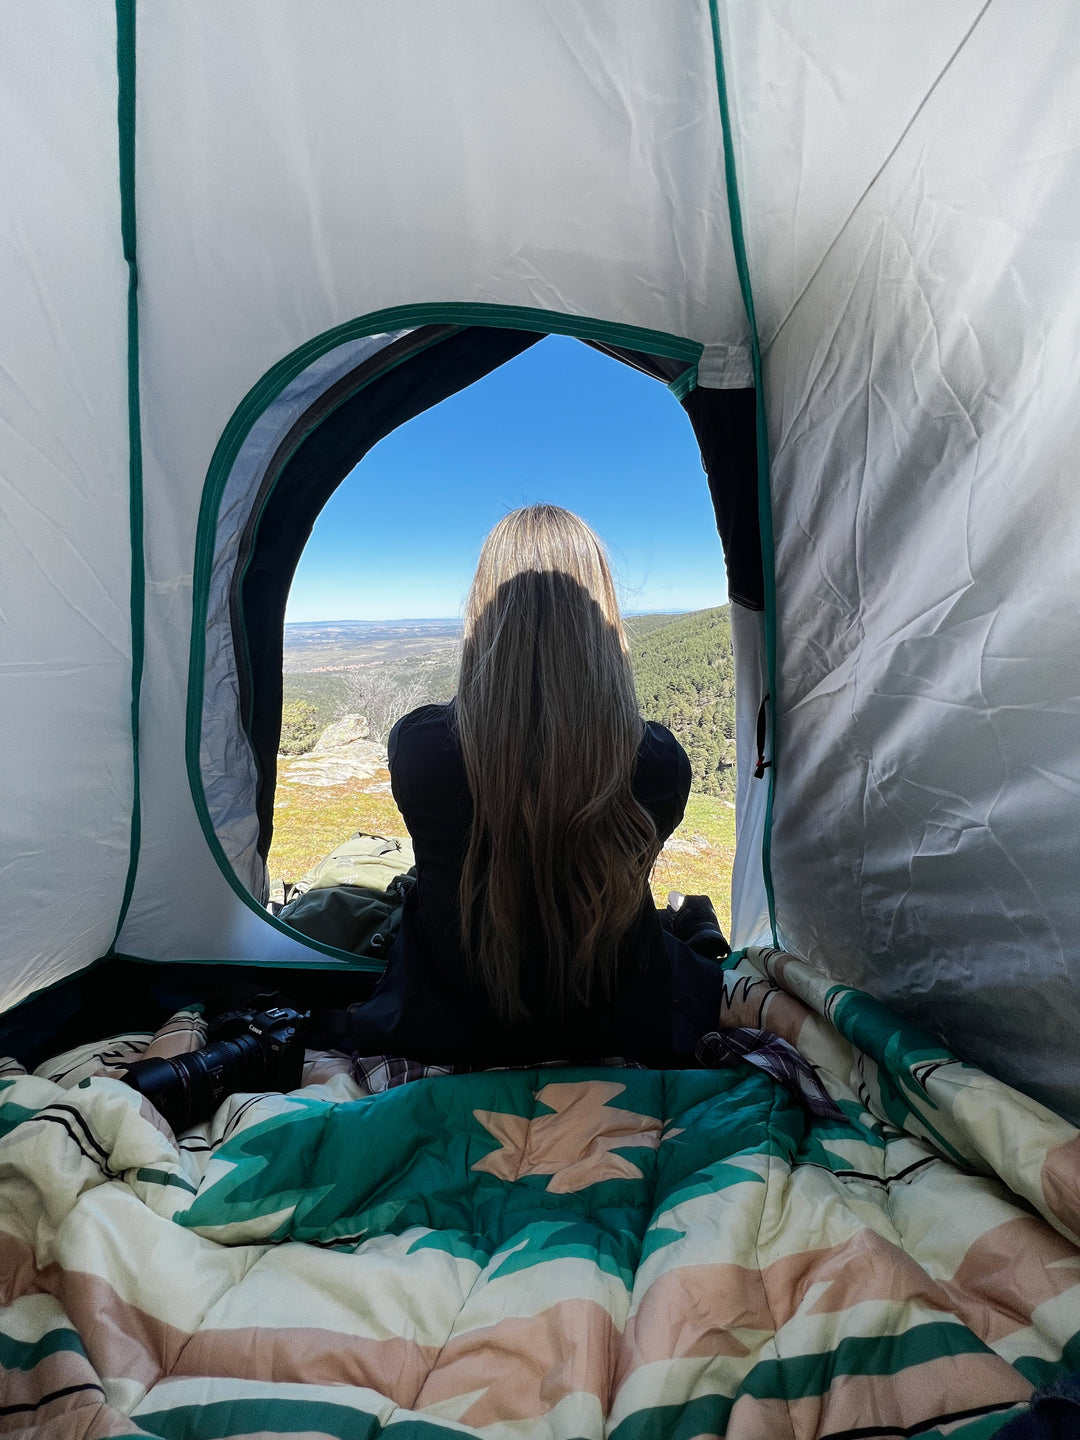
<point>244,240</point>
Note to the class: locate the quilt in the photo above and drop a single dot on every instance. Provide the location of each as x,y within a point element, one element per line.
<point>567,1253</point>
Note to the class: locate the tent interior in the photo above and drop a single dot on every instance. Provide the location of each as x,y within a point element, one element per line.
<point>852,248</point>
<point>323,426</point>
<point>245,241</point>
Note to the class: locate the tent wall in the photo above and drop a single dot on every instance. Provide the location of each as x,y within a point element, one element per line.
<point>509,155</point>
<point>65,654</point>
<point>230,772</point>
<point>922,360</point>
<point>749,898</point>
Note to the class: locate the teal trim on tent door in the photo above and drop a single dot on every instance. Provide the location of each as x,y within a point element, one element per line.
<point>343,398</point>
<point>258,398</point>
<point>765,517</point>
<point>125,120</point>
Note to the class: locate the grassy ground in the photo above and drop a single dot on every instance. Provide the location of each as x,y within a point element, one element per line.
<point>309,821</point>
<point>699,856</point>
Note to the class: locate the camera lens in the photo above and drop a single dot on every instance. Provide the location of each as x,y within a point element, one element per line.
<point>165,1084</point>
<point>192,1086</point>
<point>259,1050</point>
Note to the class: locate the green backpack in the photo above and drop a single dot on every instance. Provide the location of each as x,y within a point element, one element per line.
<point>353,899</point>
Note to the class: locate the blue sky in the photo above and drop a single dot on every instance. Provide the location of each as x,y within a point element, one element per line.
<point>562,423</point>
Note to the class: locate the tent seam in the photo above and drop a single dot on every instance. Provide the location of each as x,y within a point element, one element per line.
<point>880,170</point>
<point>125,121</point>
<point>765,518</point>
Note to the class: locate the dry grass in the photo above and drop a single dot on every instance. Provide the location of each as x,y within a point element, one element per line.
<point>698,858</point>
<point>310,820</point>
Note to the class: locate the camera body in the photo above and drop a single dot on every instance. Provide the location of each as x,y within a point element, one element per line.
<point>257,1048</point>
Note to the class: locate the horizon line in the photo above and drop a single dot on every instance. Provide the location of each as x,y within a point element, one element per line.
<point>456,619</point>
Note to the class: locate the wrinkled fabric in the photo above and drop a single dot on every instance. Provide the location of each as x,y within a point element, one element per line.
<point>573,1252</point>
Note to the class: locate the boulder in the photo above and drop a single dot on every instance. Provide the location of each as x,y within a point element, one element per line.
<point>355,760</point>
<point>345,731</point>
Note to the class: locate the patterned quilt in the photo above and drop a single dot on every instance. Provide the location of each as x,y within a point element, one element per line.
<point>565,1253</point>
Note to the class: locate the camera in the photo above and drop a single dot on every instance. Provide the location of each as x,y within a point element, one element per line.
<point>258,1048</point>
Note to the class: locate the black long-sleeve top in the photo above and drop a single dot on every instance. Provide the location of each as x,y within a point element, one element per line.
<point>427,1006</point>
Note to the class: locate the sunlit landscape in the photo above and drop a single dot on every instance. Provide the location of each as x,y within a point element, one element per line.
<point>332,783</point>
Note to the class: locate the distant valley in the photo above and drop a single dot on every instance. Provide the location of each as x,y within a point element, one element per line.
<point>311,648</point>
<point>682,664</point>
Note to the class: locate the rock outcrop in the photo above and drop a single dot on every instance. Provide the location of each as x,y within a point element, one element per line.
<point>345,731</point>
<point>343,754</point>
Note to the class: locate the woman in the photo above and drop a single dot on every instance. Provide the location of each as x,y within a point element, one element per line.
<point>537,802</point>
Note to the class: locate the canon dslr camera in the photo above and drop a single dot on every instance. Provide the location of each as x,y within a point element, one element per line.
<point>257,1048</point>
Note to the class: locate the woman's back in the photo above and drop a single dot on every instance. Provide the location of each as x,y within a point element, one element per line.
<point>430,1006</point>
<point>537,802</point>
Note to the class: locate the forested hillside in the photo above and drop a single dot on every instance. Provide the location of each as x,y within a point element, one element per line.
<point>686,679</point>
<point>638,626</point>
<point>682,663</point>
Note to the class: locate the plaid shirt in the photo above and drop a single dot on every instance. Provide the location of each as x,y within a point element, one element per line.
<point>776,1057</point>
<point>761,1048</point>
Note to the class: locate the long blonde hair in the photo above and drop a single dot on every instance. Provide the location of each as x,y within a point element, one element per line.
<point>547,717</point>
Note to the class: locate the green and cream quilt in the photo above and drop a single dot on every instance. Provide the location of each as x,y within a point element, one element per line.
<point>563,1253</point>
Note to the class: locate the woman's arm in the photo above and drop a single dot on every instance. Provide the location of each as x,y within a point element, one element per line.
<point>662,778</point>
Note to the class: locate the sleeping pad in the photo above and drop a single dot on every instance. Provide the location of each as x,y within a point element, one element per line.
<point>570,1252</point>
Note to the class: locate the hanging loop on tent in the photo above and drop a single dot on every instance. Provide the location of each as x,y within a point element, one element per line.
<point>762,764</point>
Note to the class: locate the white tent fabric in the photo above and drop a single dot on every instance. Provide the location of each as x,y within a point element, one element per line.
<point>749,902</point>
<point>922,361</point>
<point>908,190</point>
<point>65,553</point>
<point>226,761</point>
<point>444,171</point>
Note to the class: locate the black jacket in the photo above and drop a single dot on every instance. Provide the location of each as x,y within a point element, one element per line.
<point>427,1007</point>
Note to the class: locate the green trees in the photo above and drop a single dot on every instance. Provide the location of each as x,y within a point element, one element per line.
<point>299,727</point>
<point>685,677</point>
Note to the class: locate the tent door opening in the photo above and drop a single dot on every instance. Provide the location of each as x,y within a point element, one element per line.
<point>311,435</point>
